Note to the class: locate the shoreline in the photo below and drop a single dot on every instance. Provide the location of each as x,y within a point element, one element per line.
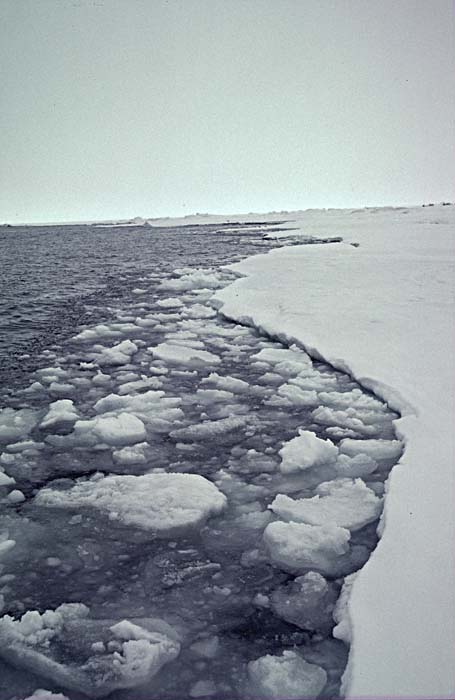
<point>382,312</point>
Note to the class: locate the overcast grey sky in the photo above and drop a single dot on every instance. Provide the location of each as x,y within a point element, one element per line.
<point>117,108</point>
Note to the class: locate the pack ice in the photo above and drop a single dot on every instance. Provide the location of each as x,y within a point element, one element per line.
<point>94,657</point>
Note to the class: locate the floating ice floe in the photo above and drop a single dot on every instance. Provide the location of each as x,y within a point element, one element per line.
<point>355,398</point>
<point>306,451</point>
<point>349,418</point>
<point>16,424</point>
<point>60,413</point>
<point>297,396</point>
<point>210,429</point>
<point>139,384</point>
<point>347,503</point>
<point>343,629</point>
<point>359,465</point>
<point>153,408</point>
<point>308,602</point>
<point>203,689</point>
<point>285,677</point>
<point>104,656</point>
<point>197,279</point>
<point>119,354</point>
<point>276,356</point>
<point>41,694</point>
<point>133,454</point>
<point>200,311</point>
<point>169,303</point>
<point>210,396</point>
<point>162,503</point>
<point>184,355</point>
<point>299,547</point>
<point>376,449</point>
<point>226,383</point>
<point>112,430</point>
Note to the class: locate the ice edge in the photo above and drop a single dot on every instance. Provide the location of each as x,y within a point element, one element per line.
<point>385,392</point>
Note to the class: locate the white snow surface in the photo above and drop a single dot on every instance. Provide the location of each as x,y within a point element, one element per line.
<point>162,503</point>
<point>384,312</point>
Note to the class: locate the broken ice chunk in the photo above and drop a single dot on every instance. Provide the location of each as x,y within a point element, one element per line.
<point>134,454</point>
<point>298,547</point>
<point>297,396</point>
<point>123,429</point>
<point>35,643</point>
<point>183,355</point>
<point>169,303</point>
<point>60,412</point>
<point>376,449</point>
<point>197,279</point>
<point>119,354</point>
<point>307,602</point>
<point>209,430</point>
<point>347,503</point>
<point>203,689</point>
<point>305,451</point>
<point>41,694</point>
<point>348,418</point>
<point>360,465</point>
<point>15,425</point>
<point>210,396</point>
<point>285,677</point>
<point>276,355</point>
<point>162,503</point>
<point>236,386</point>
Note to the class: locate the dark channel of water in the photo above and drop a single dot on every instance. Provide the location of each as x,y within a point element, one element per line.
<point>224,415</point>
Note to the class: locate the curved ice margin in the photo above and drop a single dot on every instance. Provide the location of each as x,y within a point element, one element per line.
<point>341,304</point>
<point>382,391</point>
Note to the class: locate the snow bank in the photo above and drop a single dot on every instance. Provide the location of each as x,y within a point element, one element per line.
<point>162,503</point>
<point>384,311</point>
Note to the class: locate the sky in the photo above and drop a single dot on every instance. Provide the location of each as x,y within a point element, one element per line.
<point>123,108</point>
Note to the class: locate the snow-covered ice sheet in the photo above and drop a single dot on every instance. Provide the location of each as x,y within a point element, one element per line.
<point>383,310</point>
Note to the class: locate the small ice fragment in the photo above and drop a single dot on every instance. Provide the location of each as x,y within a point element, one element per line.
<point>207,648</point>
<point>16,496</point>
<point>306,451</point>
<point>203,689</point>
<point>62,411</point>
<point>376,449</point>
<point>285,677</point>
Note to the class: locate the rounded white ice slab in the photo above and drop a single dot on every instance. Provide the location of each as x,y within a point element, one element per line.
<point>159,502</point>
